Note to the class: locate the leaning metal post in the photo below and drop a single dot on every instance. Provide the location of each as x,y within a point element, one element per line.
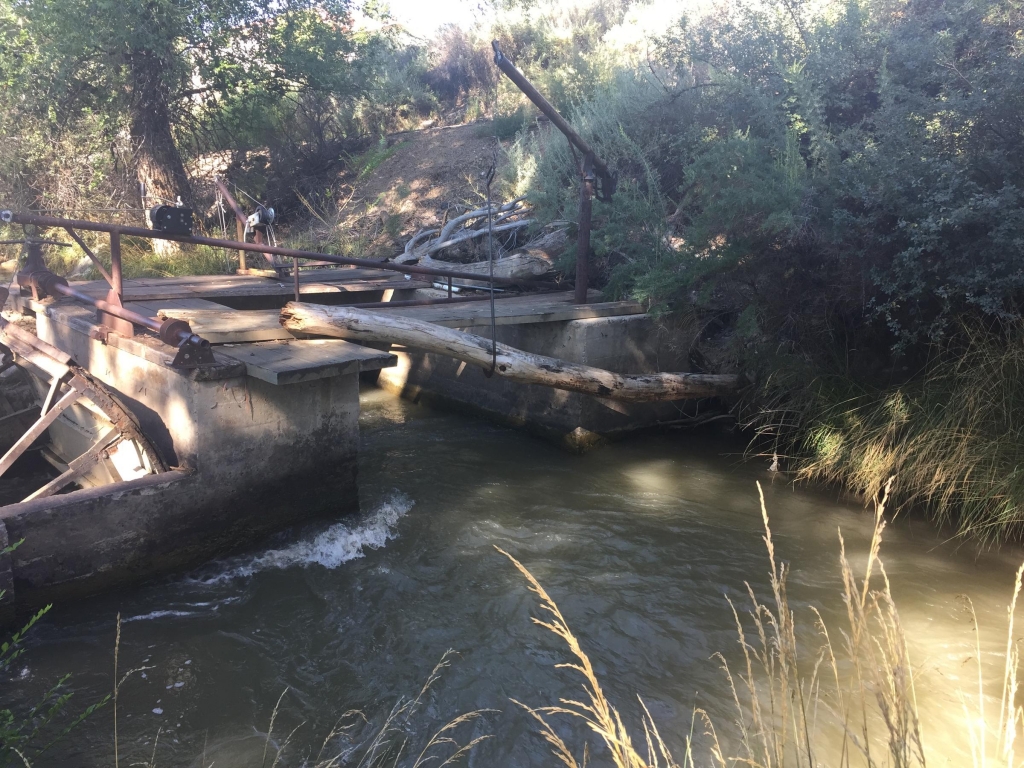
<point>588,177</point>
<point>583,235</point>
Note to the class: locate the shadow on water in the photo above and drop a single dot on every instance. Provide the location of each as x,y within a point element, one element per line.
<point>638,542</point>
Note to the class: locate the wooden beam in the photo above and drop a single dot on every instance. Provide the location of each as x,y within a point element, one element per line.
<point>26,440</point>
<point>511,363</point>
<point>77,467</point>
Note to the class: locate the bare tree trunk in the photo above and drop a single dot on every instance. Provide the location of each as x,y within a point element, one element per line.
<point>160,168</point>
<point>511,363</point>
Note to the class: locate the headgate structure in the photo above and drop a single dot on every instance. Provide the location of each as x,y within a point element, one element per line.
<point>195,423</point>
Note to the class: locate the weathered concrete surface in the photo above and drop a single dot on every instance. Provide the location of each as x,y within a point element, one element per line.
<point>90,540</point>
<point>249,451</point>
<point>627,344</point>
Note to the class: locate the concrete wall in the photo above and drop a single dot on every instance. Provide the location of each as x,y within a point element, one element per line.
<point>627,344</point>
<point>256,457</point>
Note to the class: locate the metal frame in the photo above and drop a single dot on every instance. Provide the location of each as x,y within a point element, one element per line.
<point>193,351</point>
<point>408,269</point>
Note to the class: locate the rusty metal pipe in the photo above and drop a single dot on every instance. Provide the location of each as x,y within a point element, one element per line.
<point>94,226</point>
<point>172,331</point>
<point>232,203</point>
<point>545,106</point>
<point>115,263</point>
<point>88,252</point>
<point>106,306</point>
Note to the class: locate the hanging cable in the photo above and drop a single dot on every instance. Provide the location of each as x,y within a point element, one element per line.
<point>220,211</point>
<point>490,259</point>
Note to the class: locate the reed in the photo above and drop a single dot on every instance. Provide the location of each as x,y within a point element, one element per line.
<point>952,437</point>
<point>391,744</point>
<point>848,701</point>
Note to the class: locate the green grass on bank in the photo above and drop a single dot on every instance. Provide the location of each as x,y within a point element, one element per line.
<point>140,260</point>
<point>952,439</point>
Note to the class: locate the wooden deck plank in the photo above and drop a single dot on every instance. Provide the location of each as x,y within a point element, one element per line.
<point>538,308</point>
<point>229,326</point>
<point>288,362</point>
<point>152,308</point>
<point>222,325</point>
<point>234,286</point>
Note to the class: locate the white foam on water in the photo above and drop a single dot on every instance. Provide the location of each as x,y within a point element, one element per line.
<point>159,615</point>
<point>330,548</point>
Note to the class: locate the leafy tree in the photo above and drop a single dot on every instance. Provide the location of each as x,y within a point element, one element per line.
<point>154,68</point>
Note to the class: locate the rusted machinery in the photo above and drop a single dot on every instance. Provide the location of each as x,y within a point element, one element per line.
<point>104,435</point>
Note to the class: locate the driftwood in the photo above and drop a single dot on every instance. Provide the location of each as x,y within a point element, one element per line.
<point>514,364</point>
<point>537,257</point>
<point>534,260</point>
<point>421,247</point>
<point>517,265</point>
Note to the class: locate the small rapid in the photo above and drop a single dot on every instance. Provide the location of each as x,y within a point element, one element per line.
<point>336,545</point>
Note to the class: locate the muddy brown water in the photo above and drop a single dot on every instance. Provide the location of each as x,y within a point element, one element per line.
<point>639,543</point>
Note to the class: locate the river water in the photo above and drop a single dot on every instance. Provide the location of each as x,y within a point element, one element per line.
<point>639,543</point>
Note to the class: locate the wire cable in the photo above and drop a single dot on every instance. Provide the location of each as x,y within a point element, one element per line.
<point>490,259</point>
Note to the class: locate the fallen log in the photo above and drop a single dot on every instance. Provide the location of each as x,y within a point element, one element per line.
<point>514,364</point>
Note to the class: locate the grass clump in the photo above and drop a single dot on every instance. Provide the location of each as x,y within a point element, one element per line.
<point>849,701</point>
<point>139,259</point>
<point>952,437</point>
<point>375,157</point>
<point>389,744</point>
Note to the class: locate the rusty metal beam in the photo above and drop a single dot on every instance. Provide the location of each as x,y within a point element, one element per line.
<point>88,252</point>
<point>232,203</point>
<point>408,269</point>
<point>591,163</point>
<point>545,106</point>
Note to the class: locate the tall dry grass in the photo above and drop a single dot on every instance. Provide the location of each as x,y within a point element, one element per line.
<point>952,438</point>
<point>850,700</point>
<point>354,742</point>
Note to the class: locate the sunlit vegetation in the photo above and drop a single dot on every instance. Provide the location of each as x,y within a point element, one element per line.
<point>846,697</point>
<point>828,191</point>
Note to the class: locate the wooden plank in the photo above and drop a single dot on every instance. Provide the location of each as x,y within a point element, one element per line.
<point>152,308</point>
<point>289,362</point>
<point>213,286</point>
<point>228,326</point>
<point>542,308</point>
<point>38,428</point>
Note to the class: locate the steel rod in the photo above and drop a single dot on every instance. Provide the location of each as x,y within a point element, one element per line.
<point>111,309</point>
<point>408,269</point>
<point>583,235</point>
<point>88,252</point>
<point>115,262</point>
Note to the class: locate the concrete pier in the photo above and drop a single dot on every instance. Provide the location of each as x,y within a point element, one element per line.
<point>267,434</point>
<point>244,450</point>
<point>616,336</point>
